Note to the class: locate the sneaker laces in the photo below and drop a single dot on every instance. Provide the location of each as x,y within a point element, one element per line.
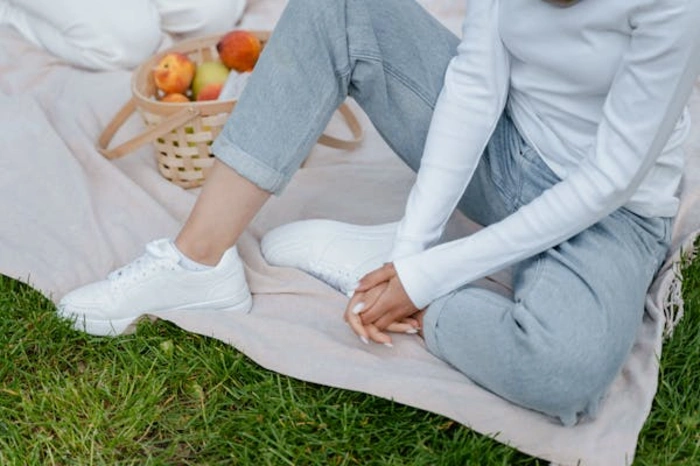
<point>158,257</point>
<point>339,278</point>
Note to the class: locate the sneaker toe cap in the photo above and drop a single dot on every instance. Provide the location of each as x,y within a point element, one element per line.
<point>90,300</point>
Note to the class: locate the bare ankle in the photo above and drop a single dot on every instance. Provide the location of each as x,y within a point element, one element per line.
<point>199,251</point>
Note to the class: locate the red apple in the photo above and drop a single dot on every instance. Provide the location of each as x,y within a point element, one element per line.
<point>210,91</point>
<point>207,74</point>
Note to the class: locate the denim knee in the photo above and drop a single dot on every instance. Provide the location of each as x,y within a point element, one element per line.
<point>540,369</point>
<point>559,376</point>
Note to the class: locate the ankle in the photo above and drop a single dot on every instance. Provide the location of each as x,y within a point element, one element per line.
<point>200,252</point>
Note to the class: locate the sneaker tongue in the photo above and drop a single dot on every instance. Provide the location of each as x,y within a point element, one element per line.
<point>163,249</point>
<point>159,253</point>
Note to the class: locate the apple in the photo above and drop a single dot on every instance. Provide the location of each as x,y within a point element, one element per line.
<point>239,50</point>
<point>210,91</point>
<point>207,74</point>
<point>174,73</point>
<point>175,97</point>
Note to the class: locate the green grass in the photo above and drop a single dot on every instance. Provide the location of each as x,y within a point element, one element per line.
<point>164,396</point>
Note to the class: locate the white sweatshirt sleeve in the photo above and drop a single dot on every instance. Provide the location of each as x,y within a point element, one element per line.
<point>467,110</point>
<point>643,105</point>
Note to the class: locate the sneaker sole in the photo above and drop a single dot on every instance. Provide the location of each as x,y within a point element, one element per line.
<point>115,327</point>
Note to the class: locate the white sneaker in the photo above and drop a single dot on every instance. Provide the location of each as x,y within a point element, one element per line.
<point>334,252</point>
<point>156,283</point>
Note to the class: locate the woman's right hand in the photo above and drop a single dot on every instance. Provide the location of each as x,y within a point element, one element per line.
<point>377,293</point>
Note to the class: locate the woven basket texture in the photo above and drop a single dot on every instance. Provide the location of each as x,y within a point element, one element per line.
<point>183,155</point>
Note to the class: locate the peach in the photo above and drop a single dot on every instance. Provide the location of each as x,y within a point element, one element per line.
<point>174,97</point>
<point>173,73</point>
<point>239,50</point>
<point>210,91</point>
<point>207,74</point>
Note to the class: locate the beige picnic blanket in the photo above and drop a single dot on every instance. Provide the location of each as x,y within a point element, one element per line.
<point>69,216</point>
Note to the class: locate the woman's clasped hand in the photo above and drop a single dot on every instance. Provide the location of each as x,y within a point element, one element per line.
<point>379,305</point>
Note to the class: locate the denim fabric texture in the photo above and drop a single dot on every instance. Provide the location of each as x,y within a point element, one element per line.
<point>558,343</point>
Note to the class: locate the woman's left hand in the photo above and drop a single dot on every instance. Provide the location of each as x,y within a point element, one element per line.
<point>380,303</point>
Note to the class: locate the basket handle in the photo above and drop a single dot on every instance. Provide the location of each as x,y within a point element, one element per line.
<point>355,128</point>
<point>164,127</point>
<point>189,113</point>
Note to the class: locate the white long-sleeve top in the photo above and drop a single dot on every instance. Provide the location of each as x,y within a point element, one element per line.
<point>598,89</point>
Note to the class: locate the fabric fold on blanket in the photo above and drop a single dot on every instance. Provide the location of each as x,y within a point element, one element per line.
<point>70,217</point>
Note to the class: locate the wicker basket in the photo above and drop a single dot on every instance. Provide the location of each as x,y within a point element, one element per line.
<point>182,133</point>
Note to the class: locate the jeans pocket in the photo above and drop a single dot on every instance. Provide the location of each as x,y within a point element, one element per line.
<point>535,175</point>
<point>652,235</point>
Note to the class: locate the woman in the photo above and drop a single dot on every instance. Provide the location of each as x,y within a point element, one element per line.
<point>558,126</point>
<point>110,35</point>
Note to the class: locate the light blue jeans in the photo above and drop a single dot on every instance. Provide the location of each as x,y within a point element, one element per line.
<point>559,343</point>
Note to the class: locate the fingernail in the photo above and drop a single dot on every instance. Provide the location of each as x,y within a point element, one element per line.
<point>389,345</point>
<point>364,340</point>
<point>412,331</point>
<point>358,308</point>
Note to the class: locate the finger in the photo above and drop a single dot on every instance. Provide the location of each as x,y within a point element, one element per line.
<point>368,298</point>
<point>413,322</point>
<point>372,295</point>
<point>401,305</point>
<point>401,327</point>
<point>388,308</point>
<point>356,299</point>
<point>353,319</point>
<point>378,336</point>
<point>372,279</point>
<point>387,319</point>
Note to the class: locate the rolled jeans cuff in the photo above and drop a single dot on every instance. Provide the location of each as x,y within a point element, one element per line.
<point>249,167</point>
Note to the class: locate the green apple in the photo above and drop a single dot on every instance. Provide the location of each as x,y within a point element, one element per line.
<point>210,72</point>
